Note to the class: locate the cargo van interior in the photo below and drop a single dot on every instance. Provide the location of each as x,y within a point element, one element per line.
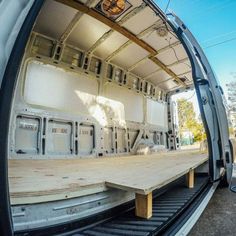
<point>93,126</point>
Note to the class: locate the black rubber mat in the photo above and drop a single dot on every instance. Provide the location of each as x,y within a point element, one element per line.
<point>166,208</point>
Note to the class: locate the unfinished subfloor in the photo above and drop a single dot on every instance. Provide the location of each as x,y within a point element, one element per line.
<point>33,181</point>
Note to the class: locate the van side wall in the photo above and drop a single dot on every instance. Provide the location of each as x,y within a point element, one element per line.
<point>70,104</point>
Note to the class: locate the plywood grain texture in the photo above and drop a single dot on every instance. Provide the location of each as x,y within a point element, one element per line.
<point>33,181</point>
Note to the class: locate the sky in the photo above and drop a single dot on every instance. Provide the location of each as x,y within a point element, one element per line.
<point>213,23</point>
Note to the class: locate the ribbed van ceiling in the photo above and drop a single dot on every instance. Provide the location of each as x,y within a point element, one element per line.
<point>167,66</point>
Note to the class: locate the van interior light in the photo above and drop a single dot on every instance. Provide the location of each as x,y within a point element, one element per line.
<point>113,7</point>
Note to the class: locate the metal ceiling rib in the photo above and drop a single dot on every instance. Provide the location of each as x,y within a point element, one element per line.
<point>70,27</point>
<point>113,25</point>
<point>132,37</point>
<point>50,21</point>
<point>151,74</point>
<point>73,23</point>
<point>120,22</point>
<point>169,79</point>
<point>184,61</point>
<point>140,35</point>
<point>166,69</point>
<point>146,58</point>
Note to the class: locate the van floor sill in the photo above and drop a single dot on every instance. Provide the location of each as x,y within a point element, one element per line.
<point>167,208</point>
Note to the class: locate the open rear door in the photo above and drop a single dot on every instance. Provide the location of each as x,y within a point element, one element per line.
<point>211,102</point>
<point>17,19</point>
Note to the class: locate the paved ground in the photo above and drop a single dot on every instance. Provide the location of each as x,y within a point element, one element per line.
<point>219,218</point>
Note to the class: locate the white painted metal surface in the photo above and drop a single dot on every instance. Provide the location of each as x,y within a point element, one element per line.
<point>12,15</point>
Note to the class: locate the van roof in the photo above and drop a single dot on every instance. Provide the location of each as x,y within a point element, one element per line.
<point>139,39</point>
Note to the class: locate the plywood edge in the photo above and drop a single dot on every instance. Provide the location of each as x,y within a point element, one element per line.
<point>42,197</point>
<point>158,186</point>
<point>175,177</point>
<point>125,187</point>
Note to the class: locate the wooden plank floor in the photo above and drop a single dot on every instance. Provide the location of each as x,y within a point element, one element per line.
<point>34,181</point>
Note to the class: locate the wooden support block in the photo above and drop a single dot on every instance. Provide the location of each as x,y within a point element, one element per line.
<point>190,178</point>
<point>143,205</point>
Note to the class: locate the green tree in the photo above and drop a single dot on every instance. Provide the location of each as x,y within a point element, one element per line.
<point>188,120</point>
<point>231,89</point>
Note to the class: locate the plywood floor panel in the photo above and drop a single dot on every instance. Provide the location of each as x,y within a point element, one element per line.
<point>33,181</point>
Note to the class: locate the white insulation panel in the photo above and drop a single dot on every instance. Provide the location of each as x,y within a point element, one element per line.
<point>49,86</point>
<point>52,87</point>
<point>133,102</point>
<point>157,113</point>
